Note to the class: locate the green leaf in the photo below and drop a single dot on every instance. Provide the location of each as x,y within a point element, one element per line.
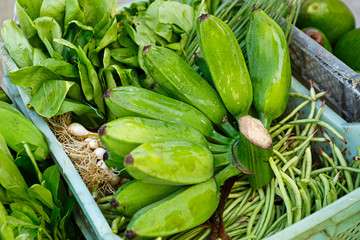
<point>96,9</point>
<point>31,7</point>
<point>38,56</point>
<point>6,231</point>
<point>143,34</point>
<point>23,236</point>
<point>26,210</point>
<point>120,54</point>
<point>9,174</point>
<point>79,108</point>
<point>16,44</point>
<point>51,176</point>
<point>60,67</point>
<point>106,58</point>
<point>4,148</point>
<point>90,82</point>
<point>32,77</point>
<point>54,9</point>
<point>54,218</point>
<point>86,85</point>
<point>93,77</point>
<point>110,36</point>
<point>69,205</point>
<point>125,41</point>
<point>165,31</point>
<point>19,193</point>
<point>78,33</point>
<point>73,12</point>
<point>18,222</point>
<point>55,92</point>
<point>26,23</point>
<point>41,194</point>
<point>4,97</point>
<point>48,30</point>
<point>109,79</point>
<point>3,214</point>
<point>27,169</point>
<point>177,14</point>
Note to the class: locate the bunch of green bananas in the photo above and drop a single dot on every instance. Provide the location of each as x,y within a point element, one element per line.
<point>173,145</point>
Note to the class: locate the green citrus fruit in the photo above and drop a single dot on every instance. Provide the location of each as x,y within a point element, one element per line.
<point>347,49</point>
<point>332,17</point>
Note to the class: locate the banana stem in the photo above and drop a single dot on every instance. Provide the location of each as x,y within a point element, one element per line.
<point>222,159</point>
<point>225,174</point>
<point>219,138</point>
<point>228,129</point>
<point>253,151</point>
<point>218,148</point>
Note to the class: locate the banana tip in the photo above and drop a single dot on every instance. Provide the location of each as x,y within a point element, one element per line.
<point>204,17</point>
<point>107,93</point>
<point>105,156</point>
<point>256,9</point>
<point>129,160</point>
<point>114,203</point>
<point>146,48</point>
<point>102,130</point>
<point>130,234</point>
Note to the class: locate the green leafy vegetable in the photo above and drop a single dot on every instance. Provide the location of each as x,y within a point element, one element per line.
<point>48,30</point>
<point>54,9</point>
<point>55,92</point>
<point>17,45</point>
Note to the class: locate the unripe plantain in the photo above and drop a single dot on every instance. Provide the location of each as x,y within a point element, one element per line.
<point>269,66</point>
<point>226,63</point>
<point>182,82</point>
<point>170,163</point>
<point>124,134</point>
<point>134,195</point>
<point>134,101</point>
<point>180,211</point>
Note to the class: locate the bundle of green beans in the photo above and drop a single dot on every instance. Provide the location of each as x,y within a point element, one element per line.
<point>304,182</point>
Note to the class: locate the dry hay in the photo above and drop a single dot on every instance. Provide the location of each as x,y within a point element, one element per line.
<point>84,159</point>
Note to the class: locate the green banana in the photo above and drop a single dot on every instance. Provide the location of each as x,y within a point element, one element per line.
<point>180,211</point>
<point>170,163</point>
<point>134,195</point>
<point>112,160</point>
<point>124,134</point>
<point>16,129</point>
<point>134,101</point>
<point>182,82</point>
<point>226,64</point>
<point>269,66</point>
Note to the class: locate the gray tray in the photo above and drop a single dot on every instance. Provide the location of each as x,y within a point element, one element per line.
<point>313,62</point>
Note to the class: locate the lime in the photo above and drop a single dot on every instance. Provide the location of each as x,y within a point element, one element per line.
<point>332,17</point>
<point>347,49</point>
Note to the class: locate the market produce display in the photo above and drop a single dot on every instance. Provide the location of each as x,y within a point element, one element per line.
<point>34,203</point>
<point>174,114</point>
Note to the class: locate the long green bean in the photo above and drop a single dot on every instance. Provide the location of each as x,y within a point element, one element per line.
<point>285,196</point>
